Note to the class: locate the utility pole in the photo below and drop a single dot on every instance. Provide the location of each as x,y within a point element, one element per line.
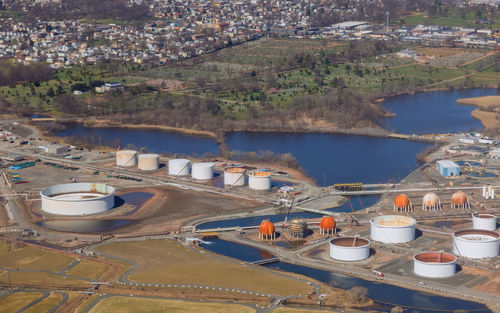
<point>387,24</point>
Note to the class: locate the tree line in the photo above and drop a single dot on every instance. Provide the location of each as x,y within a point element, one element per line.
<point>14,73</point>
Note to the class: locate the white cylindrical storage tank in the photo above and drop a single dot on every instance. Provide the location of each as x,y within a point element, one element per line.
<point>476,243</point>
<point>149,162</point>
<point>349,248</point>
<point>392,228</point>
<point>178,167</point>
<point>435,264</point>
<point>126,158</point>
<point>202,171</point>
<point>259,180</point>
<point>484,221</point>
<point>234,176</point>
<point>77,198</point>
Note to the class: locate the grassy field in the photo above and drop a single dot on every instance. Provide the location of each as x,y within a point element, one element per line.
<point>18,300</point>
<point>137,305</point>
<point>29,258</point>
<point>168,262</point>
<point>452,17</point>
<point>294,310</point>
<point>41,279</point>
<point>87,269</point>
<point>46,304</point>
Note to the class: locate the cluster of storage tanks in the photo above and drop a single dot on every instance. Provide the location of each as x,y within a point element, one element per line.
<point>431,202</point>
<point>145,162</point>
<point>233,176</point>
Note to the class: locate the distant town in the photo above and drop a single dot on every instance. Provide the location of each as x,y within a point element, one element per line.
<point>182,29</point>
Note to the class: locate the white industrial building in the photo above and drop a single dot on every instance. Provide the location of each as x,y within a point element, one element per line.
<point>476,243</point>
<point>448,168</point>
<point>77,198</point>
<point>349,248</point>
<point>392,228</point>
<point>54,149</point>
<point>178,167</point>
<point>435,264</point>
<point>484,221</point>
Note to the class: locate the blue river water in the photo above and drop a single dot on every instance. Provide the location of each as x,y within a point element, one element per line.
<point>434,112</point>
<point>383,294</point>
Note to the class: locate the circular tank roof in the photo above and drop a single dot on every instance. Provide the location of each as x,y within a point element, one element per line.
<point>260,174</point>
<point>126,151</point>
<point>234,170</point>
<point>77,191</point>
<point>435,257</point>
<point>393,221</point>
<point>476,235</point>
<point>484,215</point>
<point>401,201</point>
<point>350,242</point>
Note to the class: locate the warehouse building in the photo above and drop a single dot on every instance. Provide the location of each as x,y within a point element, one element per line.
<point>448,168</point>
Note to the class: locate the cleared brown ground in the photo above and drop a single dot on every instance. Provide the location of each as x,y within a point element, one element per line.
<point>493,283</point>
<point>161,261</point>
<point>135,305</point>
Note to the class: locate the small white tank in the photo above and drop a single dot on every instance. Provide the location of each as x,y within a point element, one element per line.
<point>349,248</point>
<point>435,264</point>
<point>149,162</point>
<point>126,158</point>
<point>202,171</point>
<point>485,221</point>
<point>178,167</point>
<point>476,243</point>
<point>234,176</point>
<point>259,180</point>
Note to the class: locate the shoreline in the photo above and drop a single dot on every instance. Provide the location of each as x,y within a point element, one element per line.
<point>486,110</point>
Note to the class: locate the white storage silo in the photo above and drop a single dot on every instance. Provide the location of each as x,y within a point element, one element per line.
<point>484,221</point>
<point>149,162</point>
<point>349,248</point>
<point>234,176</point>
<point>178,167</point>
<point>126,158</point>
<point>202,171</point>
<point>476,243</point>
<point>259,180</point>
<point>435,264</point>
<point>392,228</point>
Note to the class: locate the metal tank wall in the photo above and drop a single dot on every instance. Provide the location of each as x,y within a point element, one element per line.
<point>476,244</point>
<point>178,167</point>
<point>234,178</point>
<point>349,253</point>
<point>202,171</point>
<point>484,221</point>
<point>149,162</point>
<point>259,181</point>
<point>392,228</point>
<point>126,158</point>
<point>435,269</point>
<point>77,206</point>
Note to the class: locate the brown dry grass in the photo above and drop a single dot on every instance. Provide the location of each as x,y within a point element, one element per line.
<point>129,305</point>
<point>486,102</point>
<point>29,258</point>
<point>168,262</point>
<point>16,301</point>
<point>488,110</point>
<point>46,304</point>
<point>493,283</point>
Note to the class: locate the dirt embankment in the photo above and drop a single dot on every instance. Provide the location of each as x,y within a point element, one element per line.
<point>487,110</point>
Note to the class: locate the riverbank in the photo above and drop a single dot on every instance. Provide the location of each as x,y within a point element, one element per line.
<point>487,110</point>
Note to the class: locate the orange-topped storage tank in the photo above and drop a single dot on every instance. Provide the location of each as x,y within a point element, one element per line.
<point>402,203</point>
<point>267,230</point>
<point>459,200</point>
<point>327,225</point>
